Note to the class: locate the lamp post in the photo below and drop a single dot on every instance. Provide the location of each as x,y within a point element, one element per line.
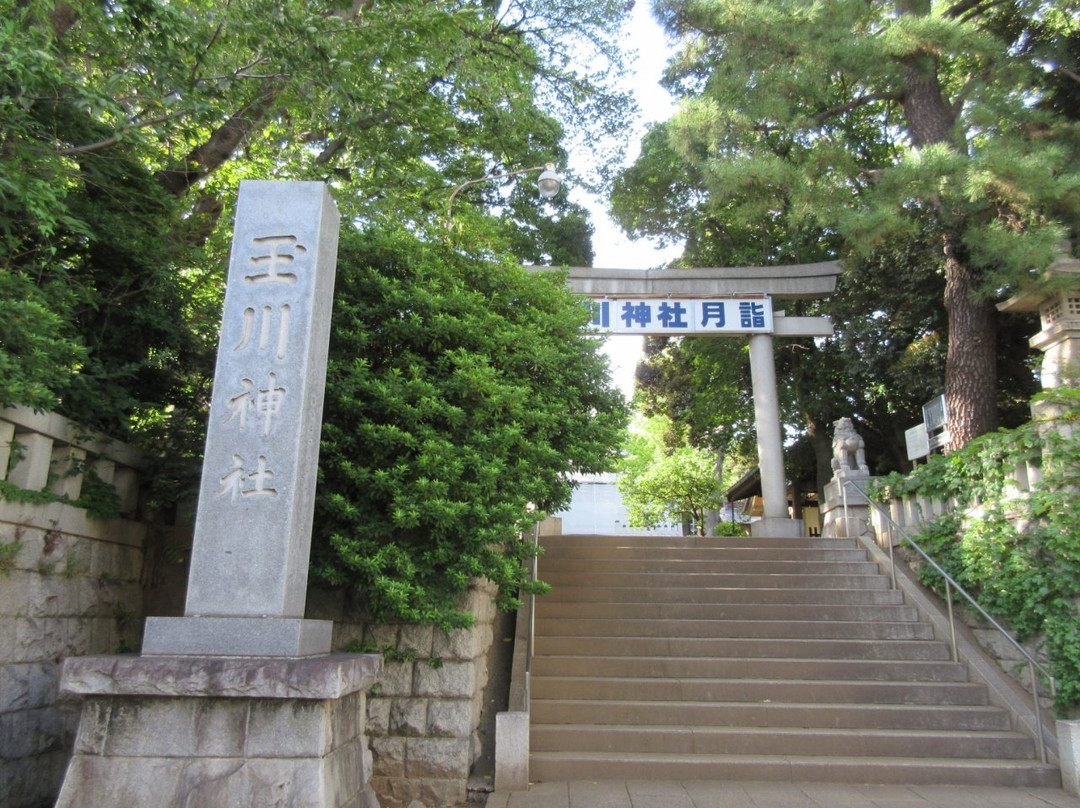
<point>549,183</point>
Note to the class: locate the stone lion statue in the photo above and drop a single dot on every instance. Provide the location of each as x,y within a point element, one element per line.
<point>849,449</point>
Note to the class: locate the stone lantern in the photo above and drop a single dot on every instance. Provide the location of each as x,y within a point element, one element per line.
<point>1058,304</point>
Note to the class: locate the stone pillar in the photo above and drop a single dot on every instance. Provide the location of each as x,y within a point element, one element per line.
<point>249,561</point>
<point>1068,734</point>
<point>1059,316</point>
<point>238,702</point>
<point>1059,339</point>
<point>775,521</point>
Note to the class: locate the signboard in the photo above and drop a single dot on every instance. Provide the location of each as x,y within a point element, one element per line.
<point>940,440</point>
<point>683,315</point>
<point>918,442</point>
<point>932,433</point>
<point>934,414</point>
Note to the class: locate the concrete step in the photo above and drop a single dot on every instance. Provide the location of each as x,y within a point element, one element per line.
<point>572,553</point>
<point>852,670</point>
<point>728,611</point>
<point>695,580</point>
<point>793,691</point>
<point>679,740</point>
<point>965,718</point>
<point>744,648</point>
<point>564,567</point>
<point>678,658</point>
<point>577,593</point>
<point>762,629</point>
<point>660,543</point>
<point>549,766</point>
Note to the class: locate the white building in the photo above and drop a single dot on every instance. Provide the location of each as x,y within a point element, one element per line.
<point>597,508</point>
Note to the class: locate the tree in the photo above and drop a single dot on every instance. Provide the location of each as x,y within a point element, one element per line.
<point>460,390</point>
<point>887,357</point>
<point>662,483</point>
<point>91,241</point>
<point>782,97</point>
<point>124,128</point>
<point>343,91</point>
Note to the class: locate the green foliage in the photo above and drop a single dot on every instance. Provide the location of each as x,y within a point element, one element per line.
<point>730,529</point>
<point>12,493</point>
<point>867,129</point>
<point>361,647</point>
<point>125,127</point>
<point>38,350</point>
<point>94,272</point>
<point>1019,556</point>
<point>97,497</point>
<point>460,390</point>
<point>9,551</point>
<point>668,483</point>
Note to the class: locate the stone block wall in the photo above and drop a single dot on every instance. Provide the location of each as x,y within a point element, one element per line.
<point>178,732</point>
<point>424,714</point>
<point>70,585</point>
<point>74,585</point>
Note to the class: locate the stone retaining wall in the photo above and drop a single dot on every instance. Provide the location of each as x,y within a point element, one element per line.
<point>424,715</point>
<point>70,585</point>
<point>75,585</point>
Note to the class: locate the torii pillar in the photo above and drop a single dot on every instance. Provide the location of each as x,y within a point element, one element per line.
<point>799,282</point>
<point>775,520</point>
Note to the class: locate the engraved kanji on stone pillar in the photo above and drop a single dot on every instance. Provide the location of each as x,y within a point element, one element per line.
<point>253,525</point>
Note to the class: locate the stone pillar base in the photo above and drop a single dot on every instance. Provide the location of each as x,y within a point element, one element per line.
<point>210,732</point>
<point>1068,734</point>
<point>512,751</point>
<point>773,527</point>
<point>236,636</point>
<point>838,521</point>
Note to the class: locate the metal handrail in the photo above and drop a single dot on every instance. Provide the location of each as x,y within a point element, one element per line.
<point>951,584</point>
<point>530,643</point>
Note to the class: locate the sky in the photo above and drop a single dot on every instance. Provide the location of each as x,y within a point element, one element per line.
<point>611,248</point>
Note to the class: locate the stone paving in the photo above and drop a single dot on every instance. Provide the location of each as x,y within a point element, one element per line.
<point>705,794</point>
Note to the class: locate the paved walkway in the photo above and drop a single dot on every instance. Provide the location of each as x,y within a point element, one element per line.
<point>706,794</point>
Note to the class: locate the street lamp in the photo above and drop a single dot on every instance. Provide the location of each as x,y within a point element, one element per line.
<point>549,183</point>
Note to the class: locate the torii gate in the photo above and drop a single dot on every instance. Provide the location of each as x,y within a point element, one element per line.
<point>721,302</point>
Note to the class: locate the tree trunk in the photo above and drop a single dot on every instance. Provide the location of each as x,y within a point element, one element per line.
<point>62,17</point>
<point>821,441</point>
<point>970,360</point>
<point>930,118</point>
<point>971,357</point>
<point>712,518</point>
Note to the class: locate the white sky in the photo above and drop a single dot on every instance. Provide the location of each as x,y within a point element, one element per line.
<point>612,249</point>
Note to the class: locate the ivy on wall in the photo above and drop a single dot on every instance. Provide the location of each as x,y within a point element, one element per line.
<point>1017,553</point>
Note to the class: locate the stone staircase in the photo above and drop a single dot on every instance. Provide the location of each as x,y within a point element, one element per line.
<point>670,658</point>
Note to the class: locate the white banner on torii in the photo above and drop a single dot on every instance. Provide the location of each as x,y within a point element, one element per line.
<point>683,315</point>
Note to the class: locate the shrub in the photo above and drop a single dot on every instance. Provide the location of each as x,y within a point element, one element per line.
<point>1019,557</point>
<point>459,391</point>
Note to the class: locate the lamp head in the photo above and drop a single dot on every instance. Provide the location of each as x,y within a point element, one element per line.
<point>549,183</point>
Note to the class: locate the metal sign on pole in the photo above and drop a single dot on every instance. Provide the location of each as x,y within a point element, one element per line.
<point>932,433</point>
<point>936,421</point>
